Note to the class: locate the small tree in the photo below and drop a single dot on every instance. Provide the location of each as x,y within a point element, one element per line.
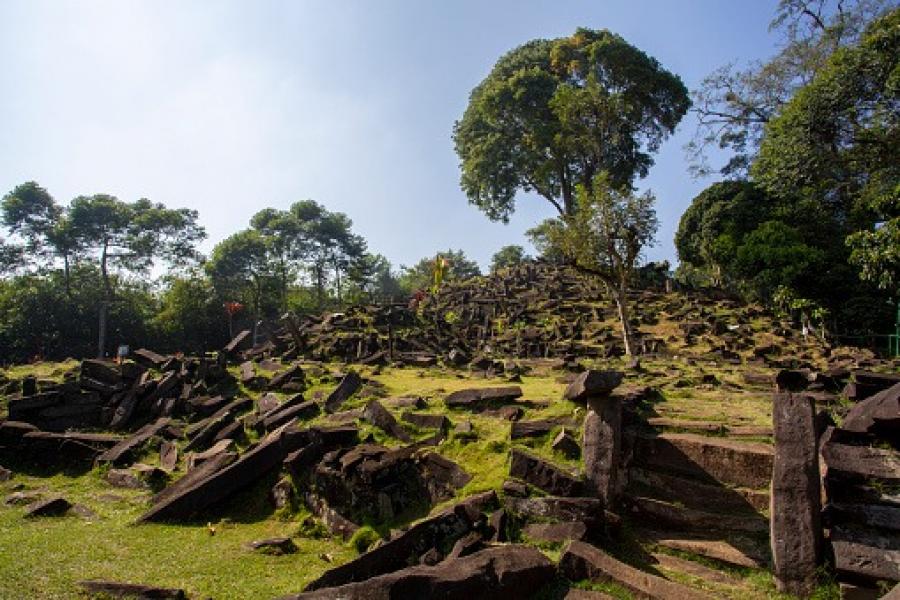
<point>605,237</point>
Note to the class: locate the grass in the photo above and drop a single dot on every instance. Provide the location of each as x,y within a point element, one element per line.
<point>46,557</point>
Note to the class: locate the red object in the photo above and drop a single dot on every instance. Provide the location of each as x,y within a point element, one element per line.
<point>233,308</point>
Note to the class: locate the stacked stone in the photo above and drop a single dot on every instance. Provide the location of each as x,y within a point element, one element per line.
<point>602,430</point>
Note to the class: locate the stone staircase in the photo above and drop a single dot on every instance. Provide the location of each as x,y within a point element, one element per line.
<point>700,494</point>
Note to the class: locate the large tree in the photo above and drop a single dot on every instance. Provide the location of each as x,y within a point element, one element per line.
<point>605,237</point>
<point>453,265</point>
<point>552,114</point>
<point>836,146</point>
<point>734,103</point>
<point>508,256</point>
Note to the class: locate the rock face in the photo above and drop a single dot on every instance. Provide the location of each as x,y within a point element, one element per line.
<point>796,503</point>
<point>495,573</point>
<point>878,415</point>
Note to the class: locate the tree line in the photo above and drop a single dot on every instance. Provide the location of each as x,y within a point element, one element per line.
<point>806,217</point>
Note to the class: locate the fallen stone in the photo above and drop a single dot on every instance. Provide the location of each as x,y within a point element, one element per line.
<point>195,459</point>
<point>423,421</point>
<point>124,452</point>
<point>466,545</point>
<point>51,507</point>
<point>235,342</point>
<point>555,508</point>
<point>869,554</point>
<point>515,488</point>
<point>543,475</point>
<point>277,546</point>
<point>442,476</point>
<point>168,455</point>
<point>380,417</point>
<point>583,561</point>
<point>284,414</point>
<point>405,402</point>
<point>747,553</point>
<point>524,429</point>
<point>5,474</point>
<point>498,573</point>
<point>654,512</point>
<point>556,532</point>
<point>593,384</point>
<point>693,494</point>
<point>876,516</point>
<point>481,398</point>
<point>21,498</point>
<point>860,462</point>
<point>566,444</point>
<point>348,386</point>
<point>602,441</point>
<point>499,524</point>
<point>131,590</point>
<point>878,415</point>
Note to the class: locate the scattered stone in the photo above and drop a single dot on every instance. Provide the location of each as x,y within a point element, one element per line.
<point>566,444</point>
<point>125,451</point>
<point>423,421</point>
<point>21,498</point>
<point>510,571</point>
<point>499,523</point>
<point>593,384</point>
<point>878,415</point>
<point>51,507</point>
<point>543,475</point>
<point>168,455</point>
<point>515,488</point>
<point>405,402</point>
<point>348,386</point>
<point>688,519</point>
<point>556,508</point>
<point>131,590</point>
<point>870,554</point>
<point>466,545</point>
<point>556,532</point>
<point>282,493</point>
<point>380,417</point>
<point>524,429</point>
<point>583,561</point>
<point>431,557</point>
<point>276,546</point>
<point>480,398</point>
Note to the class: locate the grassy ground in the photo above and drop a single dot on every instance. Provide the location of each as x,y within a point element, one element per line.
<point>46,557</point>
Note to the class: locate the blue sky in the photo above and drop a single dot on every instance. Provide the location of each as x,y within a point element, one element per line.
<point>230,107</point>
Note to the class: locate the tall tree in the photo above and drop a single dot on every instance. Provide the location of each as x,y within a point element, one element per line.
<point>454,264</point>
<point>605,238</point>
<point>130,237</point>
<point>31,213</point>
<point>733,104</point>
<point>552,114</point>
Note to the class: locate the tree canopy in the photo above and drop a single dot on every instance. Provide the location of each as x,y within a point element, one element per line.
<point>553,114</point>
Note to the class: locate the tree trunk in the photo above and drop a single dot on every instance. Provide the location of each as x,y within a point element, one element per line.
<point>66,276</point>
<point>622,305</point>
<point>101,341</point>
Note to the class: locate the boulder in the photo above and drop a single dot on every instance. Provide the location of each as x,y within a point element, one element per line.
<point>566,444</point>
<point>878,415</point>
<point>481,398</point>
<point>526,429</point>
<point>277,546</point>
<point>543,475</point>
<point>555,508</point>
<point>51,507</point>
<point>424,421</point>
<point>583,561</point>
<point>602,441</point>
<point>348,386</point>
<point>380,417</point>
<point>125,451</point>
<point>502,572</point>
<point>556,532</point>
<point>593,384</point>
<point>870,554</point>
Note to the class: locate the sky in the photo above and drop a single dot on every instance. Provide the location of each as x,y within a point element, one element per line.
<point>229,107</point>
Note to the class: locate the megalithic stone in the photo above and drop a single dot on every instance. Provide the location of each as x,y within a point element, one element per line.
<point>795,499</point>
<point>602,447</point>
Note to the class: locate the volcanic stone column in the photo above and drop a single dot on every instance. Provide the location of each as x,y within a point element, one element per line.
<point>602,430</point>
<point>795,500</point>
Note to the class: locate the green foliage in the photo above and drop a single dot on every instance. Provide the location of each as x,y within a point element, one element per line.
<point>421,276</point>
<point>363,538</point>
<point>552,114</point>
<point>508,256</point>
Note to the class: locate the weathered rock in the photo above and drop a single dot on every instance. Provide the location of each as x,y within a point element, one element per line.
<point>277,546</point>
<point>707,459</point>
<point>424,421</point>
<point>866,553</point>
<point>656,512</point>
<point>481,398</point>
<point>878,415</point>
<point>515,488</point>
<point>583,561</point>
<point>442,476</point>
<point>405,402</point>
<point>499,573</point>
<point>5,474</point>
<point>566,444</point>
<point>168,455</point>
<point>236,342</point>
<point>400,551</point>
<point>195,459</point>
<point>148,358</point>
<point>348,386</point>
<point>796,504</point>
<point>499,523</point>
<point>602,441</point>
<point>693,494</point>
<point>286,413</point>
<point>380,417</point>
<point>219,485</point>
<point>131,590</point>
<point>860,462</point>
<point>593,384</point>
<point>466,545</point>
<point>524,429</point>
<point>543,475</point>
<point>124,452</point>
<point>51,507</point>
<point>555,508</point>
<point>556,532</point>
